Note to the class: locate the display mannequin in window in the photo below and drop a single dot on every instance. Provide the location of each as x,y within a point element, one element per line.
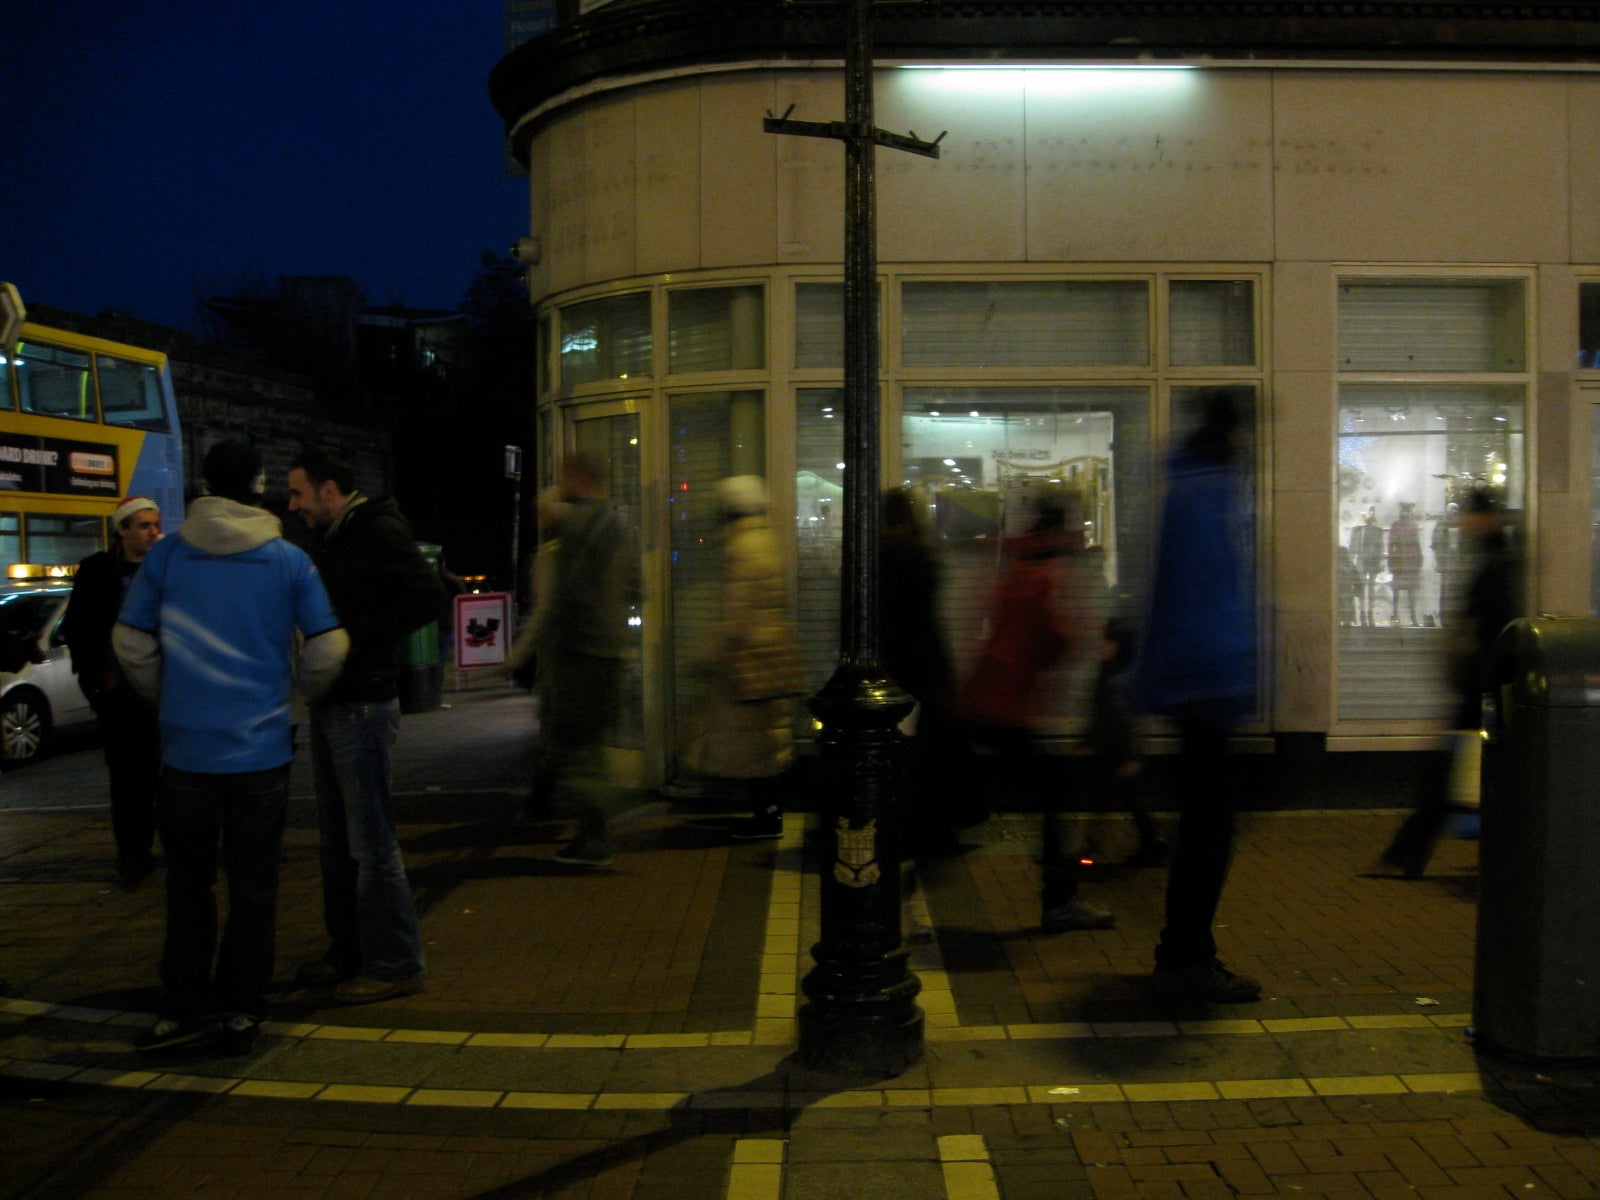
<point>1366,545</point>
<point>1405,561</point>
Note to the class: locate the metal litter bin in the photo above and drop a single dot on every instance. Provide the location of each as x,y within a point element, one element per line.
<point>421,677</point>
<point>1537,987</point>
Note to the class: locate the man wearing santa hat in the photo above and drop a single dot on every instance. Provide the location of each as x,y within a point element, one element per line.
<point>127,721</point>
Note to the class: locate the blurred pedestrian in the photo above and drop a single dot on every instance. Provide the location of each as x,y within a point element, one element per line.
<point>129,732</point>
<point>1030,631</point>
<point>583,596</point>
<point>522,663</point>
<point>748,734</point>
<point>1488,603</point>
<point>209,629</point>
<point>383,589</point>
<point>941,795</point>
<point>1199,668</point>
<point>1114,737</point>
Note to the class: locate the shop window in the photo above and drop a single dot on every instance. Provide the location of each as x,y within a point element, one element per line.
<point>606,339</point>
<point>819,326</point>
<point>545,364</point>
<point>1025,323</point>
<point>130,394</point>
<point>977,459</point>
<point>1432,325</point>
<point>711,435</point>
<point>1589,326</point>
<point>716,329</point>
<point>1211,323</point>
<point>819,526</point>
<point>1409,455</point>
<point>54,382</point>
<point>62,540</point>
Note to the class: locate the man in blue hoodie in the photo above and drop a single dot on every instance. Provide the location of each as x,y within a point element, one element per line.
<point>208,631</point>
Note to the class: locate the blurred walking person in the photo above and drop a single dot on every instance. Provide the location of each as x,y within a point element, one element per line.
<point>209,630</point>
<point>1030,631</point>
<point>1199,668</point>
<point>1488,603</point>
<point>748,735</point>
<point>129,731</point>
<point>580,636</point>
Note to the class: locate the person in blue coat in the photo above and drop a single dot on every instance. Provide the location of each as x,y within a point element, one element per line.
<point>1198,667</point>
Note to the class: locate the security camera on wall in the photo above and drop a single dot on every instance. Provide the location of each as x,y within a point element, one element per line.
<point>526,250</point>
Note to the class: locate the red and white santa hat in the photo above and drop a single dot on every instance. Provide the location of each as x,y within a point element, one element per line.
<point>132,505</point>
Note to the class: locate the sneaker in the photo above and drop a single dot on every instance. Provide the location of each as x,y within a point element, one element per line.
<point>168,1033</point>
<point>585,854</point>
<point>763,826</point>
<point>370,991</point>
<point>319,972</point>
<point>239,1034</point>
<point>1207,982</point>
<point>1077,914</point>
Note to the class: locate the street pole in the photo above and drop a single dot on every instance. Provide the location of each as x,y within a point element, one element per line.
<point>861,1015</point>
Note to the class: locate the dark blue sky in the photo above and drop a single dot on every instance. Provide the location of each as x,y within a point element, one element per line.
<point>152,147</point>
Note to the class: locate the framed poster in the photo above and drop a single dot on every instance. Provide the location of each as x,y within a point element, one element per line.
<point>483,629</point>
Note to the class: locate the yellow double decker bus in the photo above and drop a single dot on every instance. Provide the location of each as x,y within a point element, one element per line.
<point>83,423</point>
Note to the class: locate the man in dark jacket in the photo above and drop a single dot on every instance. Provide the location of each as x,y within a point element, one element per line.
<point>382,588</point>
<point>127,721</point>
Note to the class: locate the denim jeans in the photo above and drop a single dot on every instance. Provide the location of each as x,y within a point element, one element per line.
<point>366,898</point>
<point>245,813</point>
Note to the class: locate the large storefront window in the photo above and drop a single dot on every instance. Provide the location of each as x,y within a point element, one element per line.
<point>711,435</point>
<point>1409,455</point>
<point>1211,323</point>
<point>606,339</point>
<point>976,459</point>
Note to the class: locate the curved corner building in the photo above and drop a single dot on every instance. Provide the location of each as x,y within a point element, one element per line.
<point>1379,219</point>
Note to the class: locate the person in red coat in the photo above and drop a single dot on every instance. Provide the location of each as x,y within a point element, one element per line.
<point>1029,633</point>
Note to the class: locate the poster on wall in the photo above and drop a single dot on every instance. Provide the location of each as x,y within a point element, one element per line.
<point>483,629</point>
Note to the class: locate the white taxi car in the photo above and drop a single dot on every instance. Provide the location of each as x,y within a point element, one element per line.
<point>42,699</point>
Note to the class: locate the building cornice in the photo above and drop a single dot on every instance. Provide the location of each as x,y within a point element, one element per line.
<point>638,39</point>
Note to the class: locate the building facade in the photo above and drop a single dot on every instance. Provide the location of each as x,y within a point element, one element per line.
<point>1381,225</point>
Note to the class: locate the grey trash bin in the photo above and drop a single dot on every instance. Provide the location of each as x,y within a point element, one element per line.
<point>1537,986</point>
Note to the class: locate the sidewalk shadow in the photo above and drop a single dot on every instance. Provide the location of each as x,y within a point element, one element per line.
<point>1557,1097</point>
<point>766,1104</point>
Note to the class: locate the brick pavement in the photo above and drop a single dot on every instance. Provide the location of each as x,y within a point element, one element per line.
<point>628,1034</point>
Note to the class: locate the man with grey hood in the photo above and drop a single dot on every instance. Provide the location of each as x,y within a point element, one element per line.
<point>208,631</point>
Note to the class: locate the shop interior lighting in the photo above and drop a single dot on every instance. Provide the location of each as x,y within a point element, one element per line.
<point>1055,78</point>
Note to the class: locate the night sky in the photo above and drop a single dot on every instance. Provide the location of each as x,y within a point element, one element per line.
<point>153,148</point>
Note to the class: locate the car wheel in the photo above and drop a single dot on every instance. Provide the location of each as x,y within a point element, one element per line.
<point>24,725</point>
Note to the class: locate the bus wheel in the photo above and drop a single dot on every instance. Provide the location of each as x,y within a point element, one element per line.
<point>24,725</point>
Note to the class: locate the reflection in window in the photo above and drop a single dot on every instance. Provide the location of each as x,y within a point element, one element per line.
<point>62,541</point>
<point>605,339</point>
<point>819,526</point>
<point>130,393</point>
<point>1409,455</point>
<point>981,323</point>
<point>54,382</point>
<point>977,459</point>
<point>1212,323</point>
<point>710,436</point>
<point>716,329</point>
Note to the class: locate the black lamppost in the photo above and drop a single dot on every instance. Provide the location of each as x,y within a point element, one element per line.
<point>861,1014</point>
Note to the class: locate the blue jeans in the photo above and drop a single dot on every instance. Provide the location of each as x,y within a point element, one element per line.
<point>245,813</point>
<point>366,898</point>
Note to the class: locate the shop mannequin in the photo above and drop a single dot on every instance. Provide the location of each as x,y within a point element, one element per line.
<point>1405,561</point>
<point>1366,546</point>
